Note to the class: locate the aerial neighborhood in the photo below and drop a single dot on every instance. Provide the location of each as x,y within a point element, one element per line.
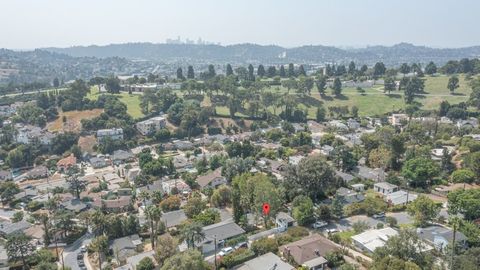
<point>192,155</point>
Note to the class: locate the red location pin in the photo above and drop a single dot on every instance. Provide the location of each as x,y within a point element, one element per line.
<point>266,208</point>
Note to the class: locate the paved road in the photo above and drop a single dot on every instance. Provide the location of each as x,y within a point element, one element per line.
<point>70,253</point>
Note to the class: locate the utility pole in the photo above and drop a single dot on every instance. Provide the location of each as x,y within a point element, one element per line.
<point>215,244</point>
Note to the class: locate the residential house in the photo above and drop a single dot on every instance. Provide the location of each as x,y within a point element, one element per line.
<point>173,218</point>
<point>212,179</point>
<point>132,173</point>
<point>113,134</point>
<point>179,184</point>
<point>400,197</point>
<point>358,187</point>
<point>310,251</point>
<point>5,175</point>
<point>74,205</point>
<point>133,261</point>
<point>440,237</point>
<point>346,177</point>
<point>126,246</point>
<point>27,134</point>
<point>348,196</point>
<point>294,160</point>
<point>7,228</point>
<point>265,261</point>
<point>66,163</point>
<point>37,172</point>
<point>98,162</point>
<point>151,125</point>
<point>122,156</point>
<point>468,123</point>
<point>121,204</point>
<point>353,124</point>
<point>284,221</point>
<point>219,233</point>
<point>369,240</point>
<point>385,188</point>
<point>338,125</point>
<point>367,173</point>
<point>182,163</point>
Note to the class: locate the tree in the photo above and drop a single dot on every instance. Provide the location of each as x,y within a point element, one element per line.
<point>393,263</point>
<point>462,176</point>
<point>322,212</point>
<point>291,70</point>
<point>343,158</point>
<point>453,84</point>
<point>301,71</point>
<point>337,207</point>
<point>211,72</point>
<point>192,233</point>
<point>465,202</point>
<point>379,69</point>
<point>153,215</point>
<point>261,71</point>
<point>406,246</point>
<point>229,70</point>
<point>404,69</point>
<point>8,189</point>
<point>76,184</point>
<point>180,74</point>
<point>17,217</point>
<point>19,247</point>
<point>431,68</point>
<point>113,85</point>
<point>221,196</point>
<point>236,205</point>
<point>100,246</point>
<point>389,85</point>
<point>321,84</point>
<point>320,114</point>
<point>469,260</point>
<point>351,68</point>
<point>264,245</point>
<point>190,73</point>
<point>166,248</point>
<point>190,259</point>
<point>145,264</point>
<point>337,87</point>
<point>282,73</point>
<point>56,82</point>
<point>303,210</point>
<point>423,210</point>
<point>194,206</point>
<point>420,171</point>
<point>312,176</point>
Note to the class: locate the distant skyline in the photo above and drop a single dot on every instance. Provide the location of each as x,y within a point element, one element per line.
<point>28,24</point>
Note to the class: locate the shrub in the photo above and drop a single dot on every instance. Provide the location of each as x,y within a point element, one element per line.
<point>237,257</point>
<point>264,245</point>
<point>297,231</point>
<point>171,203</point>
<point>392,222</point>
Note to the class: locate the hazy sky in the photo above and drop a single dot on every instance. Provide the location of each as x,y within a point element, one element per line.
<point>28,24</point>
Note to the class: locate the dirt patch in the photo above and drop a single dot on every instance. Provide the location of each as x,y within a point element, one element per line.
<point>73,118</point>
<point>86,143</point>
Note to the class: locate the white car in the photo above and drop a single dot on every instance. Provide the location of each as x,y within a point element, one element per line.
<point>319,224</point>
<point>225,251</point>
<point>333,230</point>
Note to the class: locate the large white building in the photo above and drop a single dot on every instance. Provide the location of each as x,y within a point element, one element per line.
<point>151,125</point>
<point>112,133</point>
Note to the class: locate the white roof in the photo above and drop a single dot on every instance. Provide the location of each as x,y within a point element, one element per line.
<point>374,238</point>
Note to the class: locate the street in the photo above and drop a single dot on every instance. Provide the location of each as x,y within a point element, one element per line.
<point>70,253</point>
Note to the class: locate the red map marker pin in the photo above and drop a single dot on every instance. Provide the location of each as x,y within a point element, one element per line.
<point>266,208</point>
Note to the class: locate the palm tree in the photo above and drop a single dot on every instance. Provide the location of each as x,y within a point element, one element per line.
<point>455,222</point>
<point>153,214</point>
<point>98,221</point>
<point>192,233</point>
<point>100,246</point>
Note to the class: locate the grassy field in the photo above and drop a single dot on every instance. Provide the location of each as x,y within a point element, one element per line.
<point>132,101</point>
<point>370,103</point>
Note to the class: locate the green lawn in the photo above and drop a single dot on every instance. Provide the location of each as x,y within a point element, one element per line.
<point>370,103</point>
<point>132,101</point>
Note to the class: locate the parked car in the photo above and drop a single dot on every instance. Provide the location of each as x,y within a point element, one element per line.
<point>379,215</point>
<point>333,230</point>
<point>81,263</point>
<point>241,245</point>
<point>80,256</point>
<point>83,249</point>
<point>225,251</point>
<point>319,224</point>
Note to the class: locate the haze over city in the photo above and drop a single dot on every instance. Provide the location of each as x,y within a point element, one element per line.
<point>59,23</point>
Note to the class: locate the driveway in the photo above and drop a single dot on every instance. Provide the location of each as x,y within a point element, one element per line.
<point>70,253</point>
<point>403,218</point>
